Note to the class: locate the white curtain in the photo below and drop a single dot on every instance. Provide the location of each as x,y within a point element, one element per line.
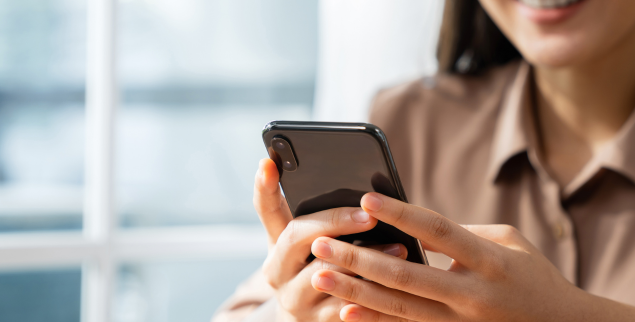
<point>366,45</point>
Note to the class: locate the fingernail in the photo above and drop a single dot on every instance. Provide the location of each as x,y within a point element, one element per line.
<point>325,283</point>
<point>373,203</point>
<point>360,216</point>
<point>352,317</point>
<point>322,249</point>
<point>394,250</point>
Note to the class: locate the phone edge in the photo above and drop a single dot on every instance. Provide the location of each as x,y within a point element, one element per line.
<point>371,129</point>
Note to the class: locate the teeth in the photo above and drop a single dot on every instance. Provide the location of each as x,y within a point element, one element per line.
<point>548,4</point>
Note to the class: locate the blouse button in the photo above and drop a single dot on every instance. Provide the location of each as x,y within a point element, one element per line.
<point>558,231</point>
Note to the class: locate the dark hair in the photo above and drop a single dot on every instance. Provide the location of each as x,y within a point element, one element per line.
<point>470,42</point>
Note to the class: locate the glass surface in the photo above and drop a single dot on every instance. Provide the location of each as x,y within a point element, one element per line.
<point>200,78</point>
<point>191,164</point>
<point>40,296</point>
<point>42,67</point>
<point>181,291</point>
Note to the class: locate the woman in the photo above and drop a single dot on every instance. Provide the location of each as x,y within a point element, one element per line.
<point>527,139</point>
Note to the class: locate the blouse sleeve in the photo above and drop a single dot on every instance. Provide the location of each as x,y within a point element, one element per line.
<point>253,301</point>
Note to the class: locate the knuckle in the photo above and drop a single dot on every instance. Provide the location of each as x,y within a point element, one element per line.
<point>405,211</point>
<point>271,281</point>
<point>353,292</point>
<point>497,267</point>
<point>504,234</point>
<point>397,307</point>
<point>508,232</point>
<point>350,258</point>
<point>270,277</point>
<point>400,276</point>
<point>291,233</point>
<point>334,218</point>
<point>440,227</point>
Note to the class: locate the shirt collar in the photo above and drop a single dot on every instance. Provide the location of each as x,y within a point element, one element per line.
<point>515,133</point>
<point>619,154</point>
<point>511,135</point>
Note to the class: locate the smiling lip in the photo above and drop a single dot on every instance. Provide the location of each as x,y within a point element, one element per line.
<point>551,15</point>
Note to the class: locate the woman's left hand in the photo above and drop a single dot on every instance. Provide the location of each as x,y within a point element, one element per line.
<point>496,274</point>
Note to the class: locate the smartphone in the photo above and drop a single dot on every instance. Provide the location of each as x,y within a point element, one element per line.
<point>324,165</point>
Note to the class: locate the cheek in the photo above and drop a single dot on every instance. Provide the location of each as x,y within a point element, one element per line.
<point>505,16</point>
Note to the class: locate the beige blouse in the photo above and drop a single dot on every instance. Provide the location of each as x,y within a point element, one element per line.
<point>466,147</point>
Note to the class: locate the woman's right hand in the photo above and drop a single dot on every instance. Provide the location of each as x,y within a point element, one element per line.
<point>286,268</point>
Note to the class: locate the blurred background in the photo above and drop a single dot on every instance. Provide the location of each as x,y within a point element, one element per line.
<point>196,81</point>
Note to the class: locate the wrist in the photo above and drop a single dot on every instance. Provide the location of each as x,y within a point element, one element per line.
<point>595,308</point>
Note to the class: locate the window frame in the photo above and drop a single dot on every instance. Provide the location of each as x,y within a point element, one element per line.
<point>100,246</point>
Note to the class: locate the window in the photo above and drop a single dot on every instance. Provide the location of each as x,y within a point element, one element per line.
<point>129,137</point>
<point>42,76</point>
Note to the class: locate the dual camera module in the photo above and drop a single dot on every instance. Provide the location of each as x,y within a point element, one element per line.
<point>285,154</point>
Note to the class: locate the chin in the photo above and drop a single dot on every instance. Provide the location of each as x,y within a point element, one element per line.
<point>554,53</point>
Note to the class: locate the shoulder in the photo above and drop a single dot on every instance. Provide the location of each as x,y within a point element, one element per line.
<point>442,93</point>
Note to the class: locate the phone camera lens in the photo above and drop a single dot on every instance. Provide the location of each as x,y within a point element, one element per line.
<point>283,154</point>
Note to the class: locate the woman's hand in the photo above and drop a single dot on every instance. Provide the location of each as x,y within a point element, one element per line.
<point>286,268</point>
<point>496,274</point>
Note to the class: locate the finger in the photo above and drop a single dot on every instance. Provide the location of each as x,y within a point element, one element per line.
<point>433,229</point>
<point>329,309</point>
<point>505,235</point>
<point>289,255</point>
<point>395,273</point>
<point>270,205</point>
<point>380,298</point>
<point>326,310</point>
<point>298,291</point>
<point>358,313</point>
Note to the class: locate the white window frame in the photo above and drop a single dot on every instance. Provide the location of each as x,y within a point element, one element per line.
<point>100,247</point>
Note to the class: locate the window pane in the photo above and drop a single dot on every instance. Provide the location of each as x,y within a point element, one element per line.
<point>42,58</point>
<point>177,291</point>
<point>40,296</point>
<point>200,78</point>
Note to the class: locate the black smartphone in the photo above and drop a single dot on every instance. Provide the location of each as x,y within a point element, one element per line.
<point>325,165</point>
